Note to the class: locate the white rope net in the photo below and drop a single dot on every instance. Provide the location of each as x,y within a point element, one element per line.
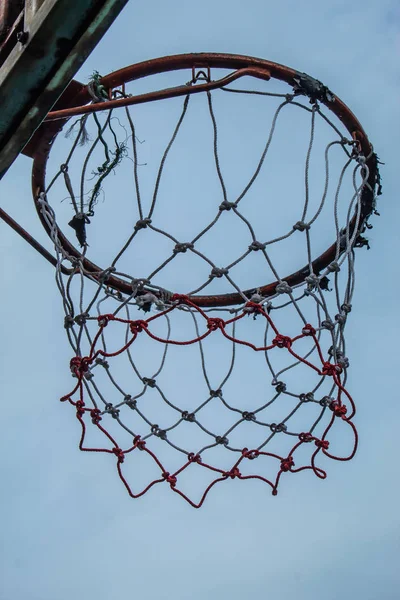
<point>217,194</point>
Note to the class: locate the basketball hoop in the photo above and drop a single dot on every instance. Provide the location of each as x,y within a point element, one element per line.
<point>120,312</point>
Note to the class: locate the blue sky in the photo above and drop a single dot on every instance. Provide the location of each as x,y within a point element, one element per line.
<point>68,527</point>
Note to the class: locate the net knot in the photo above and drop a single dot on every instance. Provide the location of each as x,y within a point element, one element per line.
<point>335,352</point>
<point>114,412</point>
<point>328,324</point>
<point>119,454</point>
<point>68,321</point>
<point>103,320</point>
<point>76,262</point>
<point>179,298</point>
<point>326,401</point>
<point>257,246</point>
<point>222,440</point>
<point>331,369</point>
<point>233,473</point>
<point>102,362</point>
<point>339,410</point>
<point>287,464</point>
<point>250,454</point>
<point>278,428</point>
<point>80,411</point>
<point>79,365</point>
<point>341,318</point>
<point>105,275</point>
<point>280,387</point>
<point>139,443</point>
<point>306,437</point>
<point>282,341</point>
<point>312,281</point>
<point>324,444</point>
<point>183,247</point>
<point>138,326</point>
<point>142,224</point>
<point>171,479</point>
<point>253,305</point>
<point>342,360</point>
<point>95,415</point>
<point>225,205</point>
<point>309,397</point>
<point>187,416</point>
<point>301,226</point>
<point>216,393</point>
<point>150,382</point>
<point>88,375</point>
<point>333,267</point>
<point>215,323</point>
<point>194,458</point>
<point>283,288</point>
<point>346,308</point>
<point>217,272</point>
<point>308,330</point>
<point>131,402</point>
<point>248,416</point>
<point>160,433</point>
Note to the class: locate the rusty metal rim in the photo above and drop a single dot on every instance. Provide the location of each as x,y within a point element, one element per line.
<point>253,66</point>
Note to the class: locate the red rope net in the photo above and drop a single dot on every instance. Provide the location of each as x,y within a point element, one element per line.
<point>341,407</point>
